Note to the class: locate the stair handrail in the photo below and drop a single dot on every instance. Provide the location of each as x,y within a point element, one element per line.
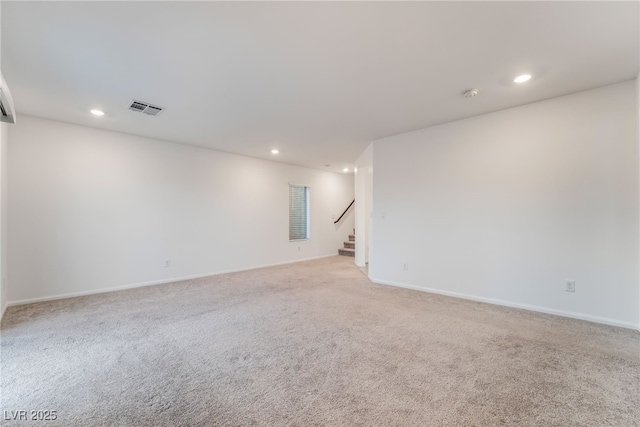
<point>345,211</point>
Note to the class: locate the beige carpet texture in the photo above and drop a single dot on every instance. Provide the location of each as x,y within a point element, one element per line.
<point>310,344</point>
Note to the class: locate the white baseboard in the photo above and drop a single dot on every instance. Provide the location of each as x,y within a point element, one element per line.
<point>4,308</point>
<point>152,283</point>
<point>580,316</point>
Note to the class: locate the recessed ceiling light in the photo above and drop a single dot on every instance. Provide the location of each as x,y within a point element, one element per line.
<point>275,151</point>
<point>97,112</point>
<point>345,170</point>
<point>523,78</point>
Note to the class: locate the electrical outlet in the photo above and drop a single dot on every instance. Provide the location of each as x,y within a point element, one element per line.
<point>570,285</point>
<point>167,263</point>
<point>299,248</point>
<point>405,267</point>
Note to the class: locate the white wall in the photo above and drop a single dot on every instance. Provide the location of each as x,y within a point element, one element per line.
<point>4,143</point>
<point>94,210</point>
<point>506,206</point>
<point>363,207</point>
<point>638,141</point>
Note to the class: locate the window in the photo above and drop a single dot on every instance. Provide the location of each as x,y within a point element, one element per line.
<point>298,212</point>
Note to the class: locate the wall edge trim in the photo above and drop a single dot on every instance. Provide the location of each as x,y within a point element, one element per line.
<point>153,282</point>
<point>504,303</point>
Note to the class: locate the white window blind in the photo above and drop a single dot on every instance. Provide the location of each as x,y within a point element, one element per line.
<point>298,212</point>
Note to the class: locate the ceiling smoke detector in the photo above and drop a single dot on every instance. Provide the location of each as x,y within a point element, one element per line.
<point>145,107</point>
<point>470,93</point>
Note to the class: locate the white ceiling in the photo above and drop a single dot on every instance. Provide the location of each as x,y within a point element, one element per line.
<point>317,80</point>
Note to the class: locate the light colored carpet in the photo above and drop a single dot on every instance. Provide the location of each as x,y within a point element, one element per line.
<point>308,344</point>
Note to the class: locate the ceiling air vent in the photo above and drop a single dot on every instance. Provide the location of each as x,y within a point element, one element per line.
<point>152,110</point>
<point>146,108</point>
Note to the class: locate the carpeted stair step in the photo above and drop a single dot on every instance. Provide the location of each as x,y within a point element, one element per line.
<point>349,246</point>
<point>347,252</point>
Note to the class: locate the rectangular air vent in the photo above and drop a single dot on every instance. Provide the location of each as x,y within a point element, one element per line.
<point>137,106</point>
<point>144,107</point>
<point>152,110</point>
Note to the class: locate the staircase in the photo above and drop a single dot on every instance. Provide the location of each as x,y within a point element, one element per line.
<point>349,247</point>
